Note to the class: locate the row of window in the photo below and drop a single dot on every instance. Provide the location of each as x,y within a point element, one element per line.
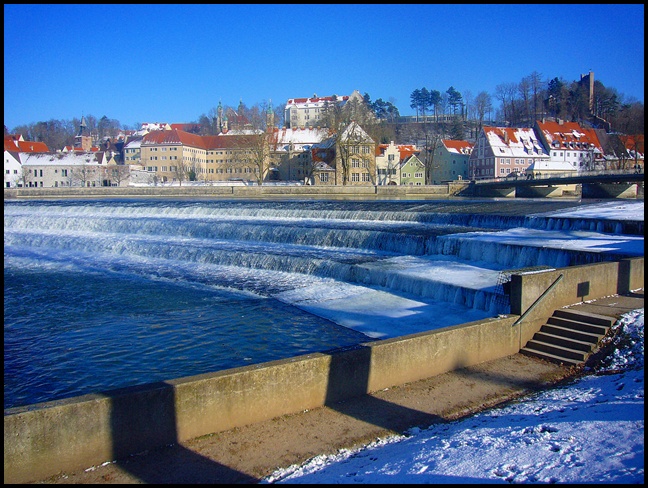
<point>355,177</point>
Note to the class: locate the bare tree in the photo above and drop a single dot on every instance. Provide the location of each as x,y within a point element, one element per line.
<point>483,105</point>
<point>118,173</point>
<point>505,93</point>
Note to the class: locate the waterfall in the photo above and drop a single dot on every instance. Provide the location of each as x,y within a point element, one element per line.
<point>340,241</point>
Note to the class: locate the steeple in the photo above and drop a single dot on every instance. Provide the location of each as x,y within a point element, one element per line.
<point>83,141</point>
<point>269,116</point>
<point>219,117</point>
<point>82,126</point>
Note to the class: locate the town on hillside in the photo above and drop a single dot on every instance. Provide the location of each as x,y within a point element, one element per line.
<point>329,140</point>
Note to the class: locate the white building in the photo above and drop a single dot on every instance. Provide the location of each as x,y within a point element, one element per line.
<point>308,112</point>
<point>73,169</point>
<point>569,143</point>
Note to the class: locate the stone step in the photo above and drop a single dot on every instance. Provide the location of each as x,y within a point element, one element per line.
<point>577,335</point>
<point>562,341</point>
<point>586,317</point>
<point>562,352</point>
<point>549,357</point>
<point>569,323</point>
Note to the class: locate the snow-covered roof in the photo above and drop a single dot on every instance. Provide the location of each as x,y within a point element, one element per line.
<point>314,101</point>
<point>457,147</point>
<point>356,132</point>
<point>299,138</point>
<point>568,135</point>
<point>135,143</point>
<point>67,159</point>
<point>514,142</point>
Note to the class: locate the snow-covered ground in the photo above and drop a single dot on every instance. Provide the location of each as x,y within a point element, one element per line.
<point>591,431</point>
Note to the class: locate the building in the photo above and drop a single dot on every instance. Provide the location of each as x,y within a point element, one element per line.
<point>72,169</point>
<point>347,158</point>
<point>504,152</point>
<point>412,171</point>
<point>309,112</point>
<point>133,150</point>
<point>571,144</point>
<point>15,147</point>
<point>172,155</point>
<point>389,158</point>
<point>291,155</point>
<point>634,145</point>
<point>450,161</point>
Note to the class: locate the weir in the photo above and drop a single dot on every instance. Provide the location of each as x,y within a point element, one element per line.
<point>381,270</point>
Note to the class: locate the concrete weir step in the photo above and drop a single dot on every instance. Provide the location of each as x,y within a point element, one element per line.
<point>569,336</point>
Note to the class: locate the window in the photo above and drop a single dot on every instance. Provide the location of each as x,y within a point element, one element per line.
<point>418,175</point>
<point>324,177</point>
<point>365,177</point>
<point>355,177</point>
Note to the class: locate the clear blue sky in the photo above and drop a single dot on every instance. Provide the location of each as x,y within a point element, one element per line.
<point>172,63</point>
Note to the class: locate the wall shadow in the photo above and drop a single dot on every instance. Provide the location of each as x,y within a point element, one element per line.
<point>143,420</point>
<point>347,393</point>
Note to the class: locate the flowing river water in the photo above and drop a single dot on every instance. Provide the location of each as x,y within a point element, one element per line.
<point>107,293</point>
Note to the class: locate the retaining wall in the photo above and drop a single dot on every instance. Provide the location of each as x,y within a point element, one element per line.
<point>235,191</point>
<point>44,439</point>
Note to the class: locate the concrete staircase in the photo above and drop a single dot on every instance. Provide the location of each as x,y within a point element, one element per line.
<point>569,336</point>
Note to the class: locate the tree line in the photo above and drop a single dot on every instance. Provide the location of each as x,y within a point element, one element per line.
<point>532,98</point>
<point>520,104</point>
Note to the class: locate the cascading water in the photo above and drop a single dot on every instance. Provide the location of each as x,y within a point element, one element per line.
<point>108,293</point>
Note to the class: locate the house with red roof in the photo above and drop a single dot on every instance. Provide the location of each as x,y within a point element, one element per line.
<point>309,111</point>
<point>505,152</point>
<point>570,145</point>
<point>15,147</point>
<point>449,161</point>
<point>389,158</point>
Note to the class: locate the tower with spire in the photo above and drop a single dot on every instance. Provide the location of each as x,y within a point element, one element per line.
<point>269,117</point>
<point>83,141</point>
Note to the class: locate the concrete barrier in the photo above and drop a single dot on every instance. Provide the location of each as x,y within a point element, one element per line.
<point>242,191</point>
<point>44,439</point>
<point>578,284</point>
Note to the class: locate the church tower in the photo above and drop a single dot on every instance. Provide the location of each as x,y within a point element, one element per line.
<point>269,117</point>
<point>83,141</point>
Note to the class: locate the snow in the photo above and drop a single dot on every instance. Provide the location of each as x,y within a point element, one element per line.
<point>608,210</point>
<point>590,431</point>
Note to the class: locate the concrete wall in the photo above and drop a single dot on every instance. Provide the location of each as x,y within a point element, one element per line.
<point>44,439</point>
<point>578,284</point>
<point>235,191</point>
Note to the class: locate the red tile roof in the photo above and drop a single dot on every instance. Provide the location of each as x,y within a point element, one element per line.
<point>568,135</point>
<point>11,144</point>
<point>460,146</point>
